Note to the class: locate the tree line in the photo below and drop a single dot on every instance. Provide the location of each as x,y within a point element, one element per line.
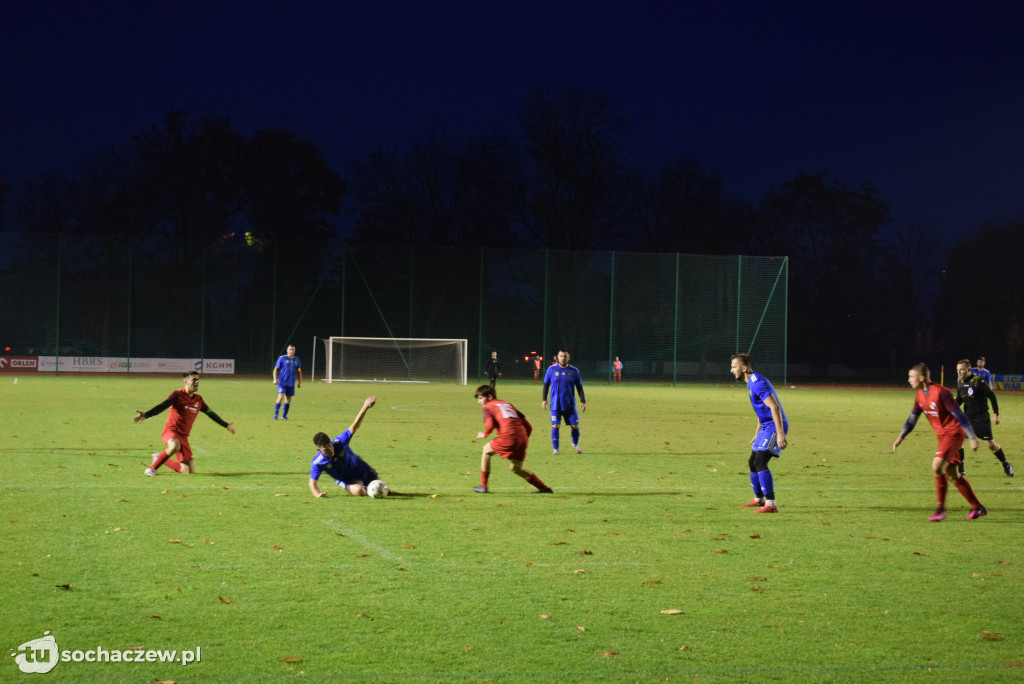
<point>558,182</point>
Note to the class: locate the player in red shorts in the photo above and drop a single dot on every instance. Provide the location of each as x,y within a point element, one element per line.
<point>185,405</point>
<point>513,436</point>
<point>950,424</point>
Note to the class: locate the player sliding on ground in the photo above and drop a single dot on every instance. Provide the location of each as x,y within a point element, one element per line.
<point>185,406</point>
<point>513,435</point>
<point>950,424</point>
<point>336,458</point>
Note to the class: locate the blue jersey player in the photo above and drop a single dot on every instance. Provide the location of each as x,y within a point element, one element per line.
<point>336,458</point>
<point>770,438</point>
<point>564,382</point>
<point>287,376</point>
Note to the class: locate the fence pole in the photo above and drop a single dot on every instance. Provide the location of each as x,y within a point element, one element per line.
<point>480,316</point>
<point>56,351</point>
<point>739,291</point>
<point>675,327</point>
<point>128,352</point>
<point>611,320</point>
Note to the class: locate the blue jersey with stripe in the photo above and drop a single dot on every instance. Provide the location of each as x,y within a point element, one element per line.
<point>564,383</point>
<point>345,465</point>
<point>760,388</point>
<point>287,369</point>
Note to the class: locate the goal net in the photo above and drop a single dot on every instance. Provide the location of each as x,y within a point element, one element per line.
<point>395,359</point>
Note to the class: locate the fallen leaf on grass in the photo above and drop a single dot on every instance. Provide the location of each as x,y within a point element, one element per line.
<point>610,654</point>
<point>682,648</point>
<point>990,636</point>
<point>581,628</point>
<point>529,564</point>
<point>758,589</point>
<point>468,649</point>
<point>919,553</point>
<point>156,617</point>
<point>291,660</point>
<point>544,617</point>
<point>165,491</point>
<point>653,581</point>
<point>1014,663</point>
<point>557,543</point>
<point>224,600</point>
<point>281,494</point>
<point>581,571</point>
<point>586,552</point>
<point>166,681</point>
<point>174,541</point>
<point>755,536</point>
<point>719,551</point>
<point>673,611</point>
<point>65,587</point>
<point>757,579</point>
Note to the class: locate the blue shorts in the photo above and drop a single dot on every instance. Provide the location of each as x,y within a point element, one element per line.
<point>366,476</point>
<point>767,439</point>
<point>286,390</point>
<point>571,417</point>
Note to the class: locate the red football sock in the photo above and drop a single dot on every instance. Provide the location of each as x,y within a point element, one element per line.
<point>940,490</point>
<point>964,487</point>
<point>535,481</point>
<point>158,459</point>
<point>173,464</point>
<point>483,477</point>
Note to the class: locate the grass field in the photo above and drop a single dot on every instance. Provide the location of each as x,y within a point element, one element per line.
<point>848,583</point>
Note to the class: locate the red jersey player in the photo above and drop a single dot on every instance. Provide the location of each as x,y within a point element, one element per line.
<point>513,435</point>
<point>185,405</point>
<point>950,424</point>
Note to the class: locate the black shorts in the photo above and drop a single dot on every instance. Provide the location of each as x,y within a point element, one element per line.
<point>982,426</point>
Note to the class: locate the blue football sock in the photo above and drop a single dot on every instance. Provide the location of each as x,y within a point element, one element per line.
<point>554,437</point>
<point>277,408</point>
<point>767,483</point>
<point>575,436</point>
<point>286,407</point>
<point>755,482</point>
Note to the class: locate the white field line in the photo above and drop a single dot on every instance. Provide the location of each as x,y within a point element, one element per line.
<point>366,543</point>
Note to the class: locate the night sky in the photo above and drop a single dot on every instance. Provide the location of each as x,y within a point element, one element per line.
<point>924,100</point>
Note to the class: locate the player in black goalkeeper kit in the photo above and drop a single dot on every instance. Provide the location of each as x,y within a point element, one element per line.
<point>974,394</point>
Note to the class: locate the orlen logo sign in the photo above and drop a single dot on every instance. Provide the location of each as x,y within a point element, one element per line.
<point>18,363</point>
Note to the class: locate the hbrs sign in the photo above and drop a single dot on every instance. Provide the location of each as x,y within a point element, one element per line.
<point>18,364</point>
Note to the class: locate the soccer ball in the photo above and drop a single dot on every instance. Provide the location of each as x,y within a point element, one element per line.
<point>378,489</point>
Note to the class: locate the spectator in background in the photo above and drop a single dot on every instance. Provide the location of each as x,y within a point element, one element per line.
<point>617,371</point>
<point>493,369</point>
<point>536,367</point>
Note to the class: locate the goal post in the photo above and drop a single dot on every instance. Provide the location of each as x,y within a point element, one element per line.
<point>396,359</point>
